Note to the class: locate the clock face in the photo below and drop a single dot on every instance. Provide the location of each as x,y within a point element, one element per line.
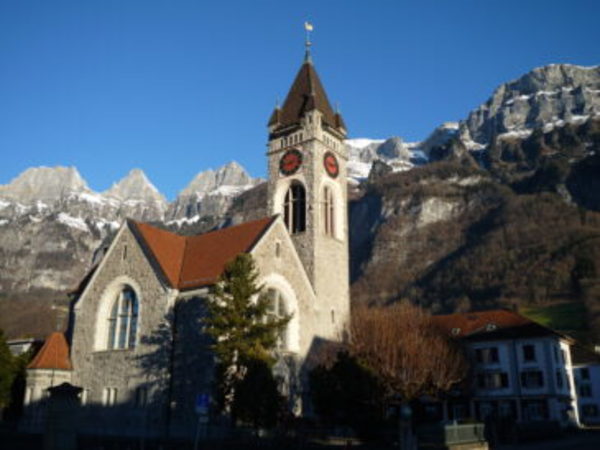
<point>290,162</point>
<point>331,165</point>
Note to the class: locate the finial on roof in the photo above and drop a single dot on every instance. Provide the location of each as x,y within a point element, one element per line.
<point>307,56</point>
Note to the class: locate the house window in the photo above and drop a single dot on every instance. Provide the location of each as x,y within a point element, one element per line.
<point>534,410</point>
<point>492,380</point>
<point>328,212</point>
<point>529,352</point>
<point>141,396</point>
<point>532,379</point>
<point>84,396</point>
<point>590,410</point>
<point>124,252</point>
<point>28,396</point>
<point>559,379</point>
<point>294,208</point>
<point>122,323</point>
<point>486,355</point>
<point>277,310</point>
<point>584,373</point>
<point>109,396</point>
<point>585,390</point>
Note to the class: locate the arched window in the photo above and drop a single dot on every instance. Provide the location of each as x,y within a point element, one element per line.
<point>294,208</point>
<point>328,212</point>
<point>122,322</point>
<point>277,310</point>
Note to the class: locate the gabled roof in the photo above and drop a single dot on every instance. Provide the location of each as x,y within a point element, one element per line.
<point>488,325</point>
<point>54,354</point>
<point>306,94</point>
<point>189,262</point>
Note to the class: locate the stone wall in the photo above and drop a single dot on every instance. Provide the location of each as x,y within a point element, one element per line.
<point>126,370</point>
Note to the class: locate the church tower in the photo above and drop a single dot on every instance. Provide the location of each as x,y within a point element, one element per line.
<point>307,187</point>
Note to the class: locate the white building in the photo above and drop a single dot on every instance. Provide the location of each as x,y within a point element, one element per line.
<point>586,367</point>
<point>521,369</point>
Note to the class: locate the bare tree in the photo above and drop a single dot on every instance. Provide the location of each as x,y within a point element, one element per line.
<point>409,355</point>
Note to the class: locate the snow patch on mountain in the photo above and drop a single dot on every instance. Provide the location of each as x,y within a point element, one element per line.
<point>73,222</point>
<point>394,152</point>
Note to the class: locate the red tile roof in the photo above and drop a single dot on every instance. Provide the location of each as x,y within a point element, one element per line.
<point>195,261</point>
<point>463,324</point>
<point>54,354</point>
<point>494,324</point>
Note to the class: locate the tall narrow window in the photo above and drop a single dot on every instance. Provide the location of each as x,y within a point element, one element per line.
<point>109,396</point>
<point>122,323</point>
<point>328,212</point>
<point>529,352</point>
<point>141,396</point>
<point>277,310</point>
<point>83,396</point>
<point>294,208</point>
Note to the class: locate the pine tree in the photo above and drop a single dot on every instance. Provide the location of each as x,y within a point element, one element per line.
<point>243,332</point>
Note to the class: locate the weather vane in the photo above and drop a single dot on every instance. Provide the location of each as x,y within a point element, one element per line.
<point>308,27</point>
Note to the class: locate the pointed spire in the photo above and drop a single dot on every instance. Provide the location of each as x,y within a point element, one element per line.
<point>276,114</point>
<point>306,94</point>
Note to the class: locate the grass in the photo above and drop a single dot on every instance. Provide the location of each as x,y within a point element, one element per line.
<point>568,317</point>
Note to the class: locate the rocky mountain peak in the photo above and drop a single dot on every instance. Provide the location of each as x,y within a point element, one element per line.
<point>231,174</point>
<point>393,148</point>
<point>135,186</point>
<point>545,97</point>
<point>44,184</point>
<point>440,136</point>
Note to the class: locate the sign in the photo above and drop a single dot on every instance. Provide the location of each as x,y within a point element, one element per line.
<point>202,403</point>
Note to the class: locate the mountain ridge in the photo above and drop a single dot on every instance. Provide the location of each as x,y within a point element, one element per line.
<point>420,212</point>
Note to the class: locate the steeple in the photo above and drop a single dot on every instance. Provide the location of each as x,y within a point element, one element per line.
<point>307,188</point>
<point>306,94</point>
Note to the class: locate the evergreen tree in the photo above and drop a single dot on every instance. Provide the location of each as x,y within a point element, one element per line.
<point>244,335</point>
<point>257,399</point>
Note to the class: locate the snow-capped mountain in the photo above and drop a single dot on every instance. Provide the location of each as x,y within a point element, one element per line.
<point>210,193</point>
<point>44,184</point>
<point>545,98</point>
<point>51,222</point>
<point>394,152</point>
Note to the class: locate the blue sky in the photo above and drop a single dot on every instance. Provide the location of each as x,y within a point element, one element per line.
<point>176,87</point>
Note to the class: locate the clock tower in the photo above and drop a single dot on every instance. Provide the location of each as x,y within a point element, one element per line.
<point>307,187</point>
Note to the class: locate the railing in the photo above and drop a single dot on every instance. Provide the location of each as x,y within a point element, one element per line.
<point>451,434</point>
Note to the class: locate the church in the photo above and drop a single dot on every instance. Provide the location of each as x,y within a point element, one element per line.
<point>135,344</point>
